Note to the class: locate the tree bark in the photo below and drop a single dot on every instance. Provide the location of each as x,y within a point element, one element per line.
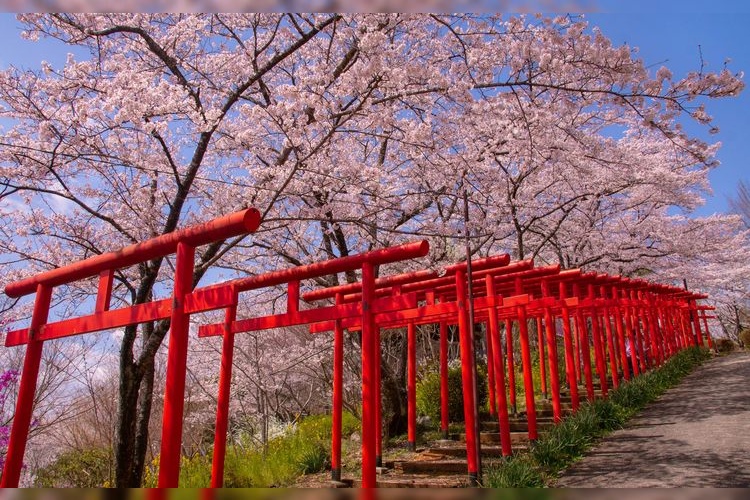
<point>130,382</point>
<point>393,380</point>
<point>145,403</point>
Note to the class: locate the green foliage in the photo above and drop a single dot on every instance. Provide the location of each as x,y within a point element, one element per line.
<point>516,472</point>
<point>286,458</point>
<point>92,468</point>
<point>314,459</point>
<point>318,427</point>
<point>428,394</point>
<point>611,416</point>
<point>195,472</point>
<point>724,346</point>
<point>569,440</point>
<point>305,450</point>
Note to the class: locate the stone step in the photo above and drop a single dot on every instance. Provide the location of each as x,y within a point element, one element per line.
<point>344,483</point>
<point>547,411</point>
<point>521,418</point>
<point>494,437</point>
<point>460,451</point>
<point>419,481</point>
<point>440,466</point>
<point>583,397</point>
<point>547,404</point>
<point>517,425</point>
<point>543,410</point>
<point>597,387</point>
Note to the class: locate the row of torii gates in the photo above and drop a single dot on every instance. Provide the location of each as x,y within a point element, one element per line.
<point>608,313</point>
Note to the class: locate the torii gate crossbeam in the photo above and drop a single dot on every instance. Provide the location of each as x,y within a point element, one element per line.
<point>178,309</point>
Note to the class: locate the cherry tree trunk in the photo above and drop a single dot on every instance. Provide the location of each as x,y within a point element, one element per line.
<point>125,434</point>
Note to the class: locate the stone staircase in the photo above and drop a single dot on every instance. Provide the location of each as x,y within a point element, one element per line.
<point>443,463</point>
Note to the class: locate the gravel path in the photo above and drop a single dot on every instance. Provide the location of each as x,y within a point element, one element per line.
<point>696,435</point>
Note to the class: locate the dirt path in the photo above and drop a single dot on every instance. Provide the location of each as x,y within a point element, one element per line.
<point>695,435</point>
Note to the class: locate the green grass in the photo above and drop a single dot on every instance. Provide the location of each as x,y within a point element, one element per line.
<point>518,471</point>
<point>286,459</point>
<point>307,449</point>
<point>569,440</point>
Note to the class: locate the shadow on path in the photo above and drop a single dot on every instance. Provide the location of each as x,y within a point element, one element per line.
<point>695,435</point>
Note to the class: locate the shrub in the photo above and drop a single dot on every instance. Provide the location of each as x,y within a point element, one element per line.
<point>92,468</point>
<point>724,345</point>
<point>318,427</point>
<point>428,394</point>
<point>745,338</point>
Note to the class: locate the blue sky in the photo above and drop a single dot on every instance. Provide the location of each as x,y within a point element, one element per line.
<point>670,35</point>
<point>666,32</point>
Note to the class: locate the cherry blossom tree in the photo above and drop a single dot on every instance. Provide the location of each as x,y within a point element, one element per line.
<point>279,377</point>
<point>733,309</point>
<point>347,131</point>
<point>53,406</point>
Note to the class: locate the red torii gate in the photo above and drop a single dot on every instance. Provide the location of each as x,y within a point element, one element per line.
<point>629,303</point>
<point>447,291</point>
<point>178,308</point>
<point>597,293</point>
<point>364,310</point>
<point>427,288</point>
<point>184,303</point>
<point>705,317</point>
<point>502,290</point>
